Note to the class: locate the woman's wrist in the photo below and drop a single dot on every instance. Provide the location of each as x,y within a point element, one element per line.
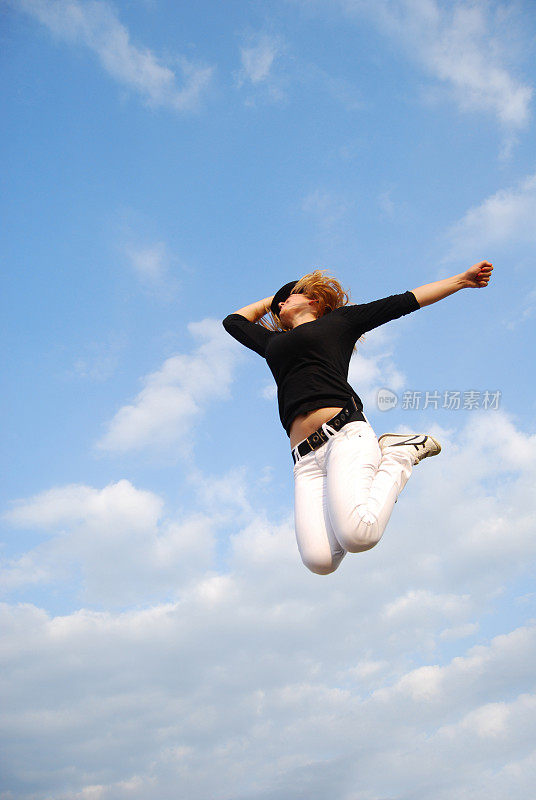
<point>263,307</point>
<point>268,302</point>
<point>256,310</point>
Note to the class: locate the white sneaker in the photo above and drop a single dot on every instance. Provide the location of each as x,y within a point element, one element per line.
<point>419,444</point>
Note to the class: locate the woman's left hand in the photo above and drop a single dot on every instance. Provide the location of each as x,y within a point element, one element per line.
<point>478,275</point>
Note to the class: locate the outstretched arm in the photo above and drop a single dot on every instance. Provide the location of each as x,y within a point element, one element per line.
<point>475,277</point>
<point>256,310</point>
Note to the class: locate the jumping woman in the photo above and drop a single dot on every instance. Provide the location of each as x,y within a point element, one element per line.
<point>346,481</point>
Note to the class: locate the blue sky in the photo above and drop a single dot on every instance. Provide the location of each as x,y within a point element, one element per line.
<point>164,164</point>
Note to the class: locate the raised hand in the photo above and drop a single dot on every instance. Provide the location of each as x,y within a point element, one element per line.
<point>478,275</point>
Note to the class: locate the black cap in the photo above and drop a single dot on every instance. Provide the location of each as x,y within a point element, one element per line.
<point>280,296</point>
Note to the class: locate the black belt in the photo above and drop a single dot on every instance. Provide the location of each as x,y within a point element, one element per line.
<point>350,413</point>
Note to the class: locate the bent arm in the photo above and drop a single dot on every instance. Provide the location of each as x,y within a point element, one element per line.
<point>255,311</point>
<point>475,277</point>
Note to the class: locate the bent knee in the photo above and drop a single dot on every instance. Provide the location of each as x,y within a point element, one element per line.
<point>320,565</point>
<point>360,533</point>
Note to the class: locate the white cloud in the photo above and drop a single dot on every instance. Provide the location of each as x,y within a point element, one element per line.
<point>505,219</point>
<point>72,504</point>
<point>257,74</point>
<point>155,697</point>
<point>461,44</point>
<point>372,373</point>
<point>265,72</point>
<point>416,602</point>
<point>257,60</point>
<point>269,391</point>
<point>150,262</point>
<point>173,398</point>
<point>263,669</point>
<point>460,632</point>
<point>529,308</point>
<point>510,654</point>
<point>153,265</point>
<point>94,24</point>
<point>373,367</point>
<point>118,540</point>
<point>111,534</point>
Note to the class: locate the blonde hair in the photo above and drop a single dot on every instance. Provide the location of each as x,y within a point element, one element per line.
<point>316,285</point>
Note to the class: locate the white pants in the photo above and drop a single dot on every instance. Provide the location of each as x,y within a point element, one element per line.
<point>344,495</point>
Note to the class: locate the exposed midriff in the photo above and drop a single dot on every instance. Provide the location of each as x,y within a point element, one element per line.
<point>306,424</point>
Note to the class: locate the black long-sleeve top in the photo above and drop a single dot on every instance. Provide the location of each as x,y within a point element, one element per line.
<point>310,362</point>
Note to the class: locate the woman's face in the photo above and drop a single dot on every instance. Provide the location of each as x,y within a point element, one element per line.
<point>294,303</point>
